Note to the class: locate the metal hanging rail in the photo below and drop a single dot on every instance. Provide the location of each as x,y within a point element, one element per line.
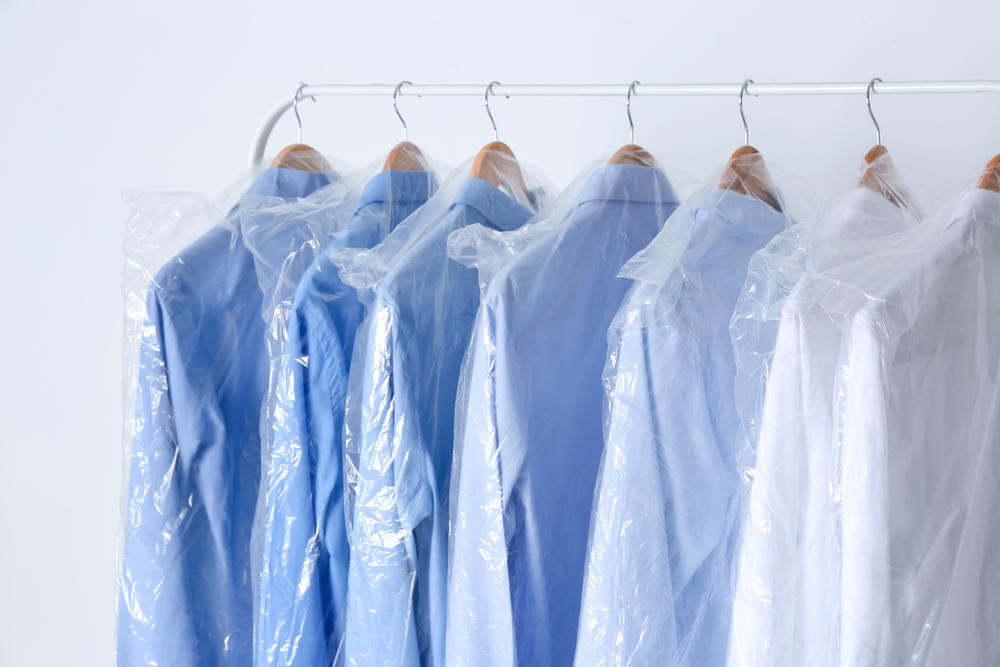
<point>614,90</point>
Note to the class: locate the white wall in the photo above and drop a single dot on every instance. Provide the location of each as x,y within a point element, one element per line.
<point>104,95</point>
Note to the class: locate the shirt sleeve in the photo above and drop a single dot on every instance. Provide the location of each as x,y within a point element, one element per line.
<point>866,611</point>
<point>381,628</point>
<point>154,625</point>
<point>479,606</point>
<point>627,616</point>
<point>304,583</point>
<point>767,561</point>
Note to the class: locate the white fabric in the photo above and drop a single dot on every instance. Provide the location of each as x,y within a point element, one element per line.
<point>920,400</point>
<point>788,574</point>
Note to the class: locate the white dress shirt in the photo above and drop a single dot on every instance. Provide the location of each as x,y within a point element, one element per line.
<point>919,414</point>
<point>787,599</point>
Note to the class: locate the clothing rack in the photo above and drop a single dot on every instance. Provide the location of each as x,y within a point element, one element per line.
<point>612,90</point>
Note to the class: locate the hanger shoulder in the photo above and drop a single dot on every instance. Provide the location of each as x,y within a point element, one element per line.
<point>631,154</point>
<point>301,158</point>
<point>748,175</point>
<point>869,179</point>
<point>405,157</point>
<point>990,180</point>
<point>875,153</point>
<point>487,158</point>
<point>491,166</point>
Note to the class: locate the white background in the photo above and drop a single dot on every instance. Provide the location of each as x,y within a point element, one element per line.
<point>99,96</point>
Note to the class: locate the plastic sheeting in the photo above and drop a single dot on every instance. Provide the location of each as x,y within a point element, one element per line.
<point>531,433</point>
<point>867,350</point>
<point>195,378</point>
<point>665,525</point>
<point>399,424</point>
<point>300,540</point>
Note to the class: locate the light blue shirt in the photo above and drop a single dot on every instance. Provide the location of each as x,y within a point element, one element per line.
<point>306,552</point>
<point>534,434</point>
<point>658,586</point>
<point>186,595</point>
<point>421,320</point>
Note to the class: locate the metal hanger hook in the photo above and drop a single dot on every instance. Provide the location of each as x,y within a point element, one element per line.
<point>295,108</point>
<point>868,99</point>
<point>746,130</point>
<point>489,89</point>
<point>628,110</point>
<point>396,109</point>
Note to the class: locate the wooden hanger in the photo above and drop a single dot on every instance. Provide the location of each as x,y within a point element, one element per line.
<point>869,179</point>
<point>405,156</point>
<point>630,153</point>
<point>746,172</point>
<point>491,166</point>
<point>633,155</point>
<point>299,156</point>
<point>990,179</point>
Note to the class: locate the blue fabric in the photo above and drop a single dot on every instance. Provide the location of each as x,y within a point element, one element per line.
<point>306,552</point>
<point>534,429</point>
<point>658,588</point>
<point>422,319</point>
<point>186,595</point>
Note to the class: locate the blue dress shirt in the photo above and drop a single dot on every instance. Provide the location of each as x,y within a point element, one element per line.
<point>421,320</point>
<point>658,587</point>
<point>533,435</point>
<point>186,596</point>
<point>306,552</point>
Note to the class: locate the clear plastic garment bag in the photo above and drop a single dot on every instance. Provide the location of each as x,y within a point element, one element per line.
<point>399,421</point>
<point>665,526</point>
<point>916,443</point>
<point>301,538</point>
<point>531,433</point>
<point>196,375</point>
<point>796,600</point>
<point>916,480</point>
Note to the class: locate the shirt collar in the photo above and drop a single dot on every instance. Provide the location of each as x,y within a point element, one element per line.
<point>500,210</point>
<point>625,182</point>
<point>399,187</point>
<point>289,183</point>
